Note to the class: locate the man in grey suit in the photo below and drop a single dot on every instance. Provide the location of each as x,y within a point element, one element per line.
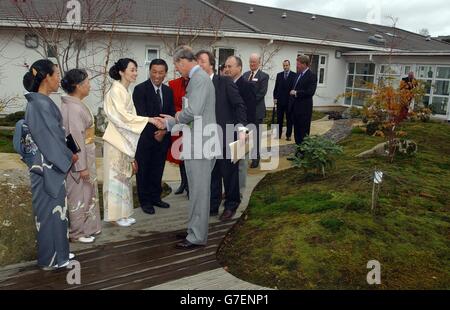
<point>198,117</point>
<point>260,80</point>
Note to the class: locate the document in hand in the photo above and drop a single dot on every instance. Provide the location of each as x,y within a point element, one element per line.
<point>238,149</point>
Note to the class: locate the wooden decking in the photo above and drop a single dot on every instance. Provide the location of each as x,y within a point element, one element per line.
<point>139,263</point>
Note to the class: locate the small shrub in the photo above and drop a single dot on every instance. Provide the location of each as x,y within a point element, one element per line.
<point>355,112</point>
<point>317,154</point>
<point>332,224</point>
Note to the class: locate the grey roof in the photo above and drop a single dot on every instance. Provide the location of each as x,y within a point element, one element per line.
<point>207,14</point>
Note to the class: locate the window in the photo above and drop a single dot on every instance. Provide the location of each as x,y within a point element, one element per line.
<point>390,73</point>
<point>31,41</point>
<point>359,78</point>
<point>357,29</point>
<point>440,92</point>
<point>221,55</point>
<point>318,65</point>
<point>52,51</point>
<point>150,54</point>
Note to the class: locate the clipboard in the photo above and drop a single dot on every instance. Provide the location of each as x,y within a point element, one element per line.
<point>239,150</point>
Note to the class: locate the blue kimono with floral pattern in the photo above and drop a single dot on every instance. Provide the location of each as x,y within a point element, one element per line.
<point>51,163</point>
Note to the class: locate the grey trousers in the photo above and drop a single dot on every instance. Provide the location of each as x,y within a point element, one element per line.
<point>243,167</point>
<point>199,179</point>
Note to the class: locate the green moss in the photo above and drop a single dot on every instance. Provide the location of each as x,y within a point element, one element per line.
<point>6,137</point>
<point>320,233</point>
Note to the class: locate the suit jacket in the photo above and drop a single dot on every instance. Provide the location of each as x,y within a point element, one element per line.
<point>283,87</point>
<point>145,101</point>
<point>247,92</point>
<point>261,82</point>
<point>230,107</point>
<point>302,104</point>
<point>198,114</point>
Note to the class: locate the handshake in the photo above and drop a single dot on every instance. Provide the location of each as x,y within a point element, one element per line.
<point>162,120</point>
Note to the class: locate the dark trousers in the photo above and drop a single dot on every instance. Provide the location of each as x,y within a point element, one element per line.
<point>257,146</point>
<point>225,170</point>
<point>151,161</point>
<point>282,109</point>
<point>302,126</point>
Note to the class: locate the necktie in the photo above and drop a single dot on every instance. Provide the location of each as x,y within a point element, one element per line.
<point>158,95</point>
<point>251,76</point>
<point>286,75</point>
<point>185,83</point>
<point>298,79</point>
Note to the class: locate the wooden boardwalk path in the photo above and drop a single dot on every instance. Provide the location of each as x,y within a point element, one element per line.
<point>138,263</point>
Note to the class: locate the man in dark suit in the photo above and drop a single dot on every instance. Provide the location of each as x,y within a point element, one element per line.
<point>260,80</point>
<point>233,69</point>
<point>283,85</point>
<point>301,98</point>
<point>152,98</point>
<point>230,110</point>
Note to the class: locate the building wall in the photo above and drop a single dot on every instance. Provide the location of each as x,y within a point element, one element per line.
<point>15,55</point>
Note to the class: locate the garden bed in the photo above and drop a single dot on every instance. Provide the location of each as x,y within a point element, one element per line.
<point>312,233</point>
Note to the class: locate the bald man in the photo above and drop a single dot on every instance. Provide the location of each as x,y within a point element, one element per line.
<point>260,80</point>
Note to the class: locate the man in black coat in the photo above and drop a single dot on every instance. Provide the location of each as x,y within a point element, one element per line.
<point>230,110</point>
<point>233,69</point>
<point>152,98</point>
<point>283,85</point>
<point>260,80</point>
<point>301,98</point>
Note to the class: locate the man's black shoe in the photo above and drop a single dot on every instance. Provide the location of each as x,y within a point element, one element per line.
<point>148,209</point>
<point>186,245</point>
<point>181,236</point>
<point>255,163</point>
<point>161,204</point>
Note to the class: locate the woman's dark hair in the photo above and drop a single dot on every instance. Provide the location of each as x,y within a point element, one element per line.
<point>73,78</point>
<point>160,62</point>
<point>120,66</point>
<point>37,73</point>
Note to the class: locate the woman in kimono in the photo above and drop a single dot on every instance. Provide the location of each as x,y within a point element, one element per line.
<point>178,87</point>
<point>120,142</point>
<point>82,190</point>
<point>51,162</point>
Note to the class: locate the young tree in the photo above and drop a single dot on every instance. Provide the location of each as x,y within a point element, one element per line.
<point>76,44</point>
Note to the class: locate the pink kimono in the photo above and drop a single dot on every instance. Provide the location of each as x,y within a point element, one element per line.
<point>82,196</point>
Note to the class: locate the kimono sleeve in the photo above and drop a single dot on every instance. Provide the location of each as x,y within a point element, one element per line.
<point>76,126</point>
<point>49,136</point>
<point>118,114</point>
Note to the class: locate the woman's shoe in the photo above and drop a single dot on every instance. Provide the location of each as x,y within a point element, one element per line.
<point>85,240</point>
<point>123,223</point>
<point>131,220</point>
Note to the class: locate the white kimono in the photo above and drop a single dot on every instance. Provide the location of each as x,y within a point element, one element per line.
<point>120,142</point>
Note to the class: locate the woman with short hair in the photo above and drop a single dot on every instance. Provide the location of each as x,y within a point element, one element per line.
<point>82,190</point>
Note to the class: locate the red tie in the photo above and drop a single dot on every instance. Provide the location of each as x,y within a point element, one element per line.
<point>251,76</point>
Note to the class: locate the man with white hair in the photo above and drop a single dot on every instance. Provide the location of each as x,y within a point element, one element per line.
<point>198,113</point>
<point>260,80</point>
